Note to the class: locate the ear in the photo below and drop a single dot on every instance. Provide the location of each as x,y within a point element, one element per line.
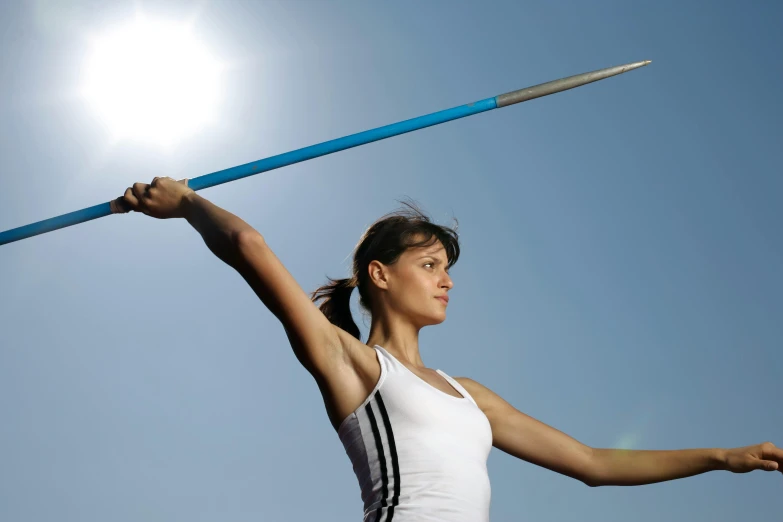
<point>378,274</point>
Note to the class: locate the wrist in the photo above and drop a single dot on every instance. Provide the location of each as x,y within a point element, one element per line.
<point>187,203</point>
<point>718,459</point>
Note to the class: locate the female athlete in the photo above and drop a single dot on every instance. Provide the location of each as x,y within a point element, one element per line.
<point>418,439</point>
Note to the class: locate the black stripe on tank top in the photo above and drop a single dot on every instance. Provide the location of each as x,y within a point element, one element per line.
<point>381,458</point>
<point>393,450</point>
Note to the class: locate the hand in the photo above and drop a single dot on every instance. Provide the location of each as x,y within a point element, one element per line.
<point>761,456</point>
<point>160,199</point>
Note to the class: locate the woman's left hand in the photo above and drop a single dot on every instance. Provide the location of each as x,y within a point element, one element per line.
<point>764,456</point>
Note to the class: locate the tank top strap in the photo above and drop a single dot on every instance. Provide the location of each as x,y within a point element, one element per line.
<point>458,386</point>
<point>387,360</point>
<point>390,364</point>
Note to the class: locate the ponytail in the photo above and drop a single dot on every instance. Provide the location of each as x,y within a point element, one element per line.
<point>335,297</point>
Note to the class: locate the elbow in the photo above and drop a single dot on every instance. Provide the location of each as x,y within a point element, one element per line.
<point>591,475</point>
<point>246,244</point>
<point>590,483</point>
<point>247,238</point>
<point>590,480</point>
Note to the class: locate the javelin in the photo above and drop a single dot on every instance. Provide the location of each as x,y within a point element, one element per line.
<point>328,147</point>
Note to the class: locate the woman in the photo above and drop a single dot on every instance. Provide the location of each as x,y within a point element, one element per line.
<point>418,438</point>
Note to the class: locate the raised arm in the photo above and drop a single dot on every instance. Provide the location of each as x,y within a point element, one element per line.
<point>317,343</point>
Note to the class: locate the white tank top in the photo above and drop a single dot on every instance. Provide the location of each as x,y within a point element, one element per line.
<point>420,454</point>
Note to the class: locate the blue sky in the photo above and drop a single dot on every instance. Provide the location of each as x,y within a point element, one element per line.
<point>620,277</point>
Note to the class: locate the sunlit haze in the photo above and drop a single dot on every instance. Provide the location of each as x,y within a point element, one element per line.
<point>152,81</point>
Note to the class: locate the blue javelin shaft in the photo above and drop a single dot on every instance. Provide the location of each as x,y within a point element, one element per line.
<point>329,147</point>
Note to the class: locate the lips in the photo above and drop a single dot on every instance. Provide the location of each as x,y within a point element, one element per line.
<point>443,298</point>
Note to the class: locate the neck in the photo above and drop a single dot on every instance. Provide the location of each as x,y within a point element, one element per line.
<point>398,337</point>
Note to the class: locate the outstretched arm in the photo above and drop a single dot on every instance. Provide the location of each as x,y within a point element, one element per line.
<point>613,467</point>
<point>533,441</point>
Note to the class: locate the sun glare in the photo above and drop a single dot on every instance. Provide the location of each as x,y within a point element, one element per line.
<point>152,81</point>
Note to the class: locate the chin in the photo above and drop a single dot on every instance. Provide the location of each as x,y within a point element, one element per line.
<point>435,319</point>
<point>429,317</point>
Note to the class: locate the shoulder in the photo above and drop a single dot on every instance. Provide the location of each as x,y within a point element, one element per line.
<point>486,399</point>
<point>469,384</point>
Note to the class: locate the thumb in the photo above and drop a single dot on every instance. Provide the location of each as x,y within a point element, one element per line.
<point>119,206</point>
<point>769,465</point>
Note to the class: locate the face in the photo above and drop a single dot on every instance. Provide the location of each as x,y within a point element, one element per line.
<point>417,285</point>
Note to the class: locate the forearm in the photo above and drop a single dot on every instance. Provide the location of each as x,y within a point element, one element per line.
<point>616,467</point>
<point>219,228</point>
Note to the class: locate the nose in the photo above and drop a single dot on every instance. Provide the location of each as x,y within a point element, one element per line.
<point>446,281</point>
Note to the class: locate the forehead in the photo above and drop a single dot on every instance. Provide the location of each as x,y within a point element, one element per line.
<point>436,249</point>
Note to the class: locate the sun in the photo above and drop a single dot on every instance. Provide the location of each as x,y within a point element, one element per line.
<point>152,81</point>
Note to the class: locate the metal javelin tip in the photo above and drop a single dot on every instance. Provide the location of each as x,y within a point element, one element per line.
<point>564,84</point>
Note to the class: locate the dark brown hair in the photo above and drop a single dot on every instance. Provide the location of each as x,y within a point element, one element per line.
<point>385,240</point>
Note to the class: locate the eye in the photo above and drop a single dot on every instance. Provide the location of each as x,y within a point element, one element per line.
<point>430,264</point>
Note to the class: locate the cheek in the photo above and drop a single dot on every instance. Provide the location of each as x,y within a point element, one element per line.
<point>421,281</point>
<point>421,290</point>
<point>413,284</point>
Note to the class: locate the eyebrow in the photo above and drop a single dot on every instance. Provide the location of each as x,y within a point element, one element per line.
<point>431,257</point>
